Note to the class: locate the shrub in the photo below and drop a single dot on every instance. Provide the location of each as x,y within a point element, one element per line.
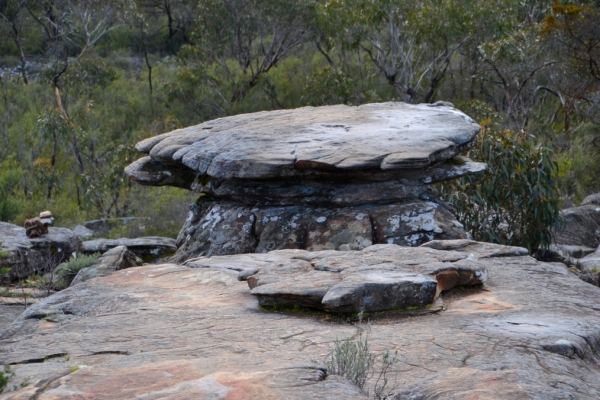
<point>5,376</point>
<point>354,361</point>
<point>67,271</point>
<point>516,201</point>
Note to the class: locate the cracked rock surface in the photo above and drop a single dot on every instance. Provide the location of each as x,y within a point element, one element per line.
<point>170,331</point>
<point>378,278</point>
<point>222,228</point>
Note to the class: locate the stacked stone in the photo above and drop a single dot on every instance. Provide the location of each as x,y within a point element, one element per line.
<point>314,178</point>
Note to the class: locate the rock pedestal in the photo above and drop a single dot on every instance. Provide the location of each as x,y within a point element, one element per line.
<point>336,177</point>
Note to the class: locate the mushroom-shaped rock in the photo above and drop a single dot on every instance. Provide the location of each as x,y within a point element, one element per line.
<point>315,178</point>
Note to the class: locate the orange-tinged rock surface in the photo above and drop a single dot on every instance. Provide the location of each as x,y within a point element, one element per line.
<point>168,331</point>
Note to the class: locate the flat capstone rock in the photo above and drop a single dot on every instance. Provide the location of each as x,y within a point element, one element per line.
<point>370,142</point>
<point>379,278</point>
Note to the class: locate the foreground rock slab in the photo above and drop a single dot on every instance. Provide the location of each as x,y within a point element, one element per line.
<point>378,278</point>
<point>168,331</point>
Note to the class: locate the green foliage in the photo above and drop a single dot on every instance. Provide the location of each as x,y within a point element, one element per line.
<point>10,177</point>
<point>5,376</point>
<point>67,271</point>
<point>352,359</point>
<point>327,86</point>
<point>579,168</point>
<point>516,200</point>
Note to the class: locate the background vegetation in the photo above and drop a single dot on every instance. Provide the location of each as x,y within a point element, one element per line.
<point>81,81</point>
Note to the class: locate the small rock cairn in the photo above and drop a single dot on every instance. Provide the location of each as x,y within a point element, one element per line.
<point>314,178</point>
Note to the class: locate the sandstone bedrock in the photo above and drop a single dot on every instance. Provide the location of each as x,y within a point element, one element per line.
<point>171,331</point>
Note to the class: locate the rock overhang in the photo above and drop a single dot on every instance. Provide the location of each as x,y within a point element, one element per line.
<point>385,141</point>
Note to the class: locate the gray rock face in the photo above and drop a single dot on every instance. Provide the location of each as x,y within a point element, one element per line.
<point>378,278</point>
<point>147,248</point>
<point>221,228</point>
<point>333,177</point>
<point>319,141</point>
<point>33,255</point>
<point>591,199</point>
<point>83,232</point>
<point>115,259</point>
<point>168,331</point>
<point>582,226</point>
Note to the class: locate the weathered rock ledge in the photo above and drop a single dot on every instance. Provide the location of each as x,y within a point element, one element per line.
<point>169,331</point>
<point>334,142</point>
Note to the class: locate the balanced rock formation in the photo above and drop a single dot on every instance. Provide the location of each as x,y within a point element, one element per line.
<point>26,256</point>
<point>170,331</point>
<point>336,177</point>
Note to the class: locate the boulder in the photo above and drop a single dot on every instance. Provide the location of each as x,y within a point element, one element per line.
<point>115,259</point>
<point>83,232</point>
<point>591,199</point>
<point>582,226</point>
<point>334,177</point>
<point>170,331</point>
<point>147,248</point>
<point>26,256</point>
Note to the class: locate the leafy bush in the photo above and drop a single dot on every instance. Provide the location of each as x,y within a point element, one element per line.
<point>515,202</point>
<point>67,271</point>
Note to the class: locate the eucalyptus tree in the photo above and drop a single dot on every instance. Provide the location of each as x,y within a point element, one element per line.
<point>412,44</point>
<point>11,14</point>
<point>256,34</point>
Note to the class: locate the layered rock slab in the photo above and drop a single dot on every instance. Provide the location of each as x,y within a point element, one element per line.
<point>162,331</point>
<point>378,278</point>
<point>314,141</point>
<point>148,248</point>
